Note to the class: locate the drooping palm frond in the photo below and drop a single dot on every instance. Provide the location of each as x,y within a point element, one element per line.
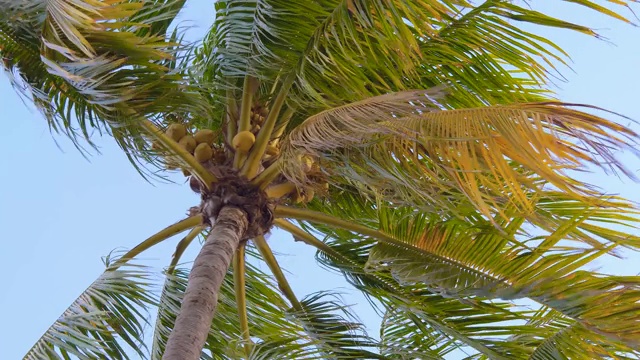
<point>434,316</point>
<point>486,158</point>
<point>481,265</point>
<point>547,269</point>
<point>100,66</point>
<point>105,321</point>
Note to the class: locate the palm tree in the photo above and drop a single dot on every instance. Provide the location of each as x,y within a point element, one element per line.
<point>412,143</point>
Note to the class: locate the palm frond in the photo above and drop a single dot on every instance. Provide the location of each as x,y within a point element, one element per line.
<point>568,339</point>
<point>481,262</point>
<point>274,326</point>
<point>542,268</point>
<point>92,66</point>
<point>484,158</point>
<point>431,314</point>
<point>476,49</point>
<point>105,321</point>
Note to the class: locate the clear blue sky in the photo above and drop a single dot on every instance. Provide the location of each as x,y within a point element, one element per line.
<point>59,213</point>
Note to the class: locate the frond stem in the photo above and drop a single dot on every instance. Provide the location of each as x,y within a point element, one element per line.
<point>280,190</point>
<point>250,167</point>
<point>283,211</point>
<point>271,261</point>
<point>158,237</point>
<point>232,116</point>
<point>305,237</point>
<point>206,177</point>
<point>244,123</point>
<point>241,296</point>
<point>268,175</point>
<point>182,246</point>
<point>282,125</point>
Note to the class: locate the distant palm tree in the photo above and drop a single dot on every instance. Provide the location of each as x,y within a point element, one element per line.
<point>446,205</point>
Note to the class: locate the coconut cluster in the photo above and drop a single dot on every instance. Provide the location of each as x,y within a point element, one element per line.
<point>218,157</point>
<point>200,144</point>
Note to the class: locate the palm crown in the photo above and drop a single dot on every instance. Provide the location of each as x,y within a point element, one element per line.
<point>412,143</point>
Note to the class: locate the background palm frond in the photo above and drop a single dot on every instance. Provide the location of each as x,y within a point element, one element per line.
<point>106,321</point>
<point>325,329</point>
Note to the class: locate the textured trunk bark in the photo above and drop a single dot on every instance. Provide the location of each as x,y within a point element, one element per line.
<point>201,297</point>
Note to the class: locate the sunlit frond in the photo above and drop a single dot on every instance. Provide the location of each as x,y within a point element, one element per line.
<point>95,66</point>
<point>105,321</point>
<point>475,48</point>
<point>487,158</point>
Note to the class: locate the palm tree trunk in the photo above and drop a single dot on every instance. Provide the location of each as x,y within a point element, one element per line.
<point>201,297</point>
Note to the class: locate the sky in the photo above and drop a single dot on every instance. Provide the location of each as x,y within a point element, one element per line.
<point>60,213</point>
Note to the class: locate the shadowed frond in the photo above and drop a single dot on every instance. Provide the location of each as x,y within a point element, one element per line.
<point>457,260</point>
<point>331,333</point>
<point>568,339</point>
<point>487,158</point>
<point>106,321</point>
<point>444,318</point>
<point>275,328</point>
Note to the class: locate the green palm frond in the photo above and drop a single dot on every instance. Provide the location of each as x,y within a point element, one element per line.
<point>442,317</point>
<point>105,321</point>
<point>486,158</point>
<point>412,44</point>
<point>547,269</point>
<point>275,328</point>
<point>333,331</point>
<point>568,339</point>
<point>480,262</point>
<point>95,66</point>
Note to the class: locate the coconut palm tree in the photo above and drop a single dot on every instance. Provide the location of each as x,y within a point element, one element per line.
<point>414,144</point>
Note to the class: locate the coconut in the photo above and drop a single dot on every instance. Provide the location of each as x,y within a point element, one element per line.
<point>272,150</point>
<point>205,136</point>
<point>307,163</point>
<point>188,143</point>
<point>309,193</point>
<point>176,131</point>
<point>243,141</point>
<point>203,152</point>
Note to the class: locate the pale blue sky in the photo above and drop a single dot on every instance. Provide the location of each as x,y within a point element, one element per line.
<point>59,213</point>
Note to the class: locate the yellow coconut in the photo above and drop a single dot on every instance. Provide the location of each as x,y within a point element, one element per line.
<point>243,141</point>
<point>205,136</point>
<point>176,131</point>
<point>309,193</point>
<point>272,150</point>
<point>188,143</point>
<point>203,152</point>
<point>307,163</point>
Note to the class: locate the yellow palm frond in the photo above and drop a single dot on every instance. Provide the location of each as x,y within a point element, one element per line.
<point>410,153</point>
